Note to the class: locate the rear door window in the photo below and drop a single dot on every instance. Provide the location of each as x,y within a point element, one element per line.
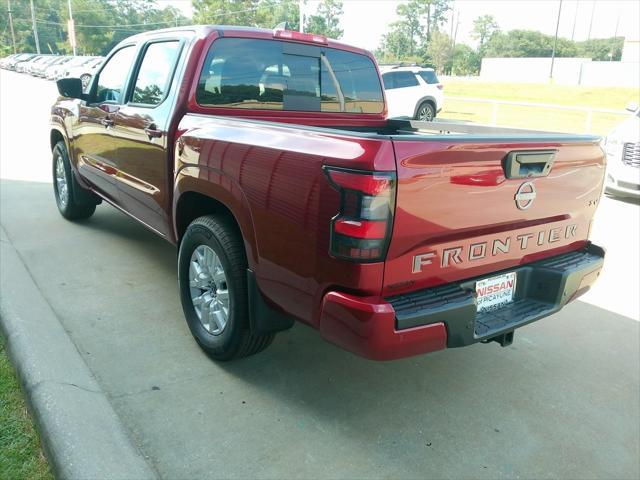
<point>404,79</point>
<point>152,82</point>
<point>275,75</point>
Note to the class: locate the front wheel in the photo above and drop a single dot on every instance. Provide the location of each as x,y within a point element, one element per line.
<point>212,276</point>
<point>74,203</point>
<point>426,112</point>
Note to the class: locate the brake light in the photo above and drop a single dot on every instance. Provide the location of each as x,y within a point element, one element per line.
<point>362,228</point>
<point>303,37</point>
<point>440,86</point>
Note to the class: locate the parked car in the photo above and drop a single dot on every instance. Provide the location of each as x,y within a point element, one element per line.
<point>61,60</point>
<point>267,158</point>
<point>21,58</point>
<point>59,71</point>
<point>622,146</point>
<point>29,65</point>
<point>39,69</point>
<point>412,91</point>
<point>11,61</point>
<point>5,61</point>
<point>84,71</point>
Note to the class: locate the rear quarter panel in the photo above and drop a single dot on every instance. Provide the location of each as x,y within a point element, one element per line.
<point>271,178</point>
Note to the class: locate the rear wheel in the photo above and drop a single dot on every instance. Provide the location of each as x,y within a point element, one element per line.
<point>426,112</point>
<point>212,275</point>
<point>74,202</point>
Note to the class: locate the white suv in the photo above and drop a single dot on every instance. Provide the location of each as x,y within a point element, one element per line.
<point>412,92</point>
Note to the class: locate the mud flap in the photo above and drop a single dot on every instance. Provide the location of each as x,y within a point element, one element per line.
<point>264,318</point>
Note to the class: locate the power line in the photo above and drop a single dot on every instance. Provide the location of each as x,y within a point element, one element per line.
<point>108,26</point>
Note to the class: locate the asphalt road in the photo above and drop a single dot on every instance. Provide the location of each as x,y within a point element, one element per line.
<point>562,401</point>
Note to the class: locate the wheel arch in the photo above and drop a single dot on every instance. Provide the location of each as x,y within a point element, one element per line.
<point>57,135</point>
<point>194,198</point>
<point>426,99</point>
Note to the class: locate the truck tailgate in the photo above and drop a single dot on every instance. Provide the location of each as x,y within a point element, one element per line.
<point>458,216</point>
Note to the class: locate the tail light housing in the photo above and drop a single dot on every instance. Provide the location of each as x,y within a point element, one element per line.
<point>440,86</point>
<point>361,230</point>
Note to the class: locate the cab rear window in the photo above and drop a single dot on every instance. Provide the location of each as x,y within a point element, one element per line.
<point>275,75</point>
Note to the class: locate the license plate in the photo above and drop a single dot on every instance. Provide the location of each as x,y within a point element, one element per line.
<point>495,292</point>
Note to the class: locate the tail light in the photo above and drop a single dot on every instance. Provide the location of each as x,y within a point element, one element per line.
<point>303,37</point>
<point>440,86</point>
<point>362,229</point>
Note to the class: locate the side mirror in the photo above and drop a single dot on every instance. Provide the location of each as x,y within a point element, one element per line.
<point>70,87</point>
<point>632,107</point>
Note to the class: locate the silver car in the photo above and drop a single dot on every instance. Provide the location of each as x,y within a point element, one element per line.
<point>622,147</point>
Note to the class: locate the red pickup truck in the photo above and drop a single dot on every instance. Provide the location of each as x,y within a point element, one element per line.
<point>267,158</point>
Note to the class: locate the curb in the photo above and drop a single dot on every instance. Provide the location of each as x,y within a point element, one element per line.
<point>82,435</point>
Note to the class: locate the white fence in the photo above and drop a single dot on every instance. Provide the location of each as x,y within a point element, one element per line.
<point>566,71</point>
<point>588,112</point>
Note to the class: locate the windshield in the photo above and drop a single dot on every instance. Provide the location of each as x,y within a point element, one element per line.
<point>276,75</point>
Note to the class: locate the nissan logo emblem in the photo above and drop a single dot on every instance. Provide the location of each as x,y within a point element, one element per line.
<point>525,195</point>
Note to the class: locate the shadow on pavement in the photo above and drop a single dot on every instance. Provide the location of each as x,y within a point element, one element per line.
<point>544,406</point>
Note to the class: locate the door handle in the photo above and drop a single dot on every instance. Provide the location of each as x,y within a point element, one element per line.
<point>107,122</point>
<point>152,131</point>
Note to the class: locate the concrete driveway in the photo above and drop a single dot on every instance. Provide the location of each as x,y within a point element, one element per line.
<point>562,401</point>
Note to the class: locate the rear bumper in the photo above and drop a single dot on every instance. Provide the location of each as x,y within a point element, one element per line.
<point>437,318</point>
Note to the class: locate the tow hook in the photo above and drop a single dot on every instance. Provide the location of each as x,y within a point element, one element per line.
<point>504,340</point>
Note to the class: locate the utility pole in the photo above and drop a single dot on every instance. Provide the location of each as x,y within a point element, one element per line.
<point>455,34</point>
<point>13,35</point>
<point>555,41</point>
<point>615,34</point>
<point>593,9</point>
<point>300,17</point>
<point>453,17</point>
<point>575,19</point>
<point>35,28</point>
<point>72,29</point>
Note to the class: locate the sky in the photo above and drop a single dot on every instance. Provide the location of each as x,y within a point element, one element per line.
<point>365,21</point>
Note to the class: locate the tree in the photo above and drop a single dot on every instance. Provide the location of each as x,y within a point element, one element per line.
<point>326,21</point>
<point>601,48</point>
<point>527,43</point>
<point>100,24</point>
<point>409,36</point>
<point>484,28</point>
<point>436,11</point>
<point>225,12</point>
<point>394,48</point>
<point>464,60</point>
<point>439,51</point>
<point>273,12</point>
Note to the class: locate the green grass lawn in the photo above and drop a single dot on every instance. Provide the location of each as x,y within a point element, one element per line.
<point>20,453</point>
<point>543,118</point>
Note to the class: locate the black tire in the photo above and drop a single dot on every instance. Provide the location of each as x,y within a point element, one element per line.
<point>426,112</point>
<point>80,203</point>
<point>236,339</point>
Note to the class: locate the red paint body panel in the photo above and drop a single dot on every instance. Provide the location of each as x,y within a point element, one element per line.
<point>266,168</point>
<point>436,209</point>
<point>367,327</point>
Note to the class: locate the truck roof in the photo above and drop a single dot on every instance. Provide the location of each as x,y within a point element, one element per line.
<point>240,31</point>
